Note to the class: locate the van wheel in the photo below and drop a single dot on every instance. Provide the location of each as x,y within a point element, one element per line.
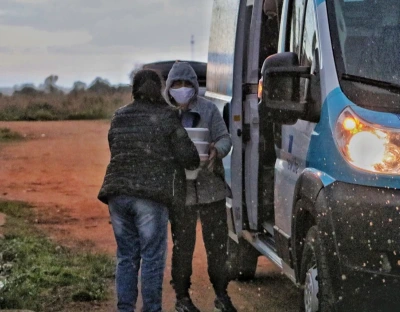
<point>242,260</point>
<point>314,278</point>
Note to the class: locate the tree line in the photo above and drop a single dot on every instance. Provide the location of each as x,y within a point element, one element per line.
<point>99,86</point>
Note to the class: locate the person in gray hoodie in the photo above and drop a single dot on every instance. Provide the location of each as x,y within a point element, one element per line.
<point>205,195</point>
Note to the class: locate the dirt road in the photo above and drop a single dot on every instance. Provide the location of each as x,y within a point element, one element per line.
<point>59,169</point>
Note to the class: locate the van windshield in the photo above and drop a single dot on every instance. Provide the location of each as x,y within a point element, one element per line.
<point>369,35</point>
<point>366,42</point>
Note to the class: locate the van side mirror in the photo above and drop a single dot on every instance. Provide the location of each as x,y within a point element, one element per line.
<point>280,101</point>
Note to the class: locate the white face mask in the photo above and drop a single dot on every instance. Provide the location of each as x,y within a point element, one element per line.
<point>182,95</point>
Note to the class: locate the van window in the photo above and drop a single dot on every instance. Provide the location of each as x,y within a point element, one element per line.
<point>222,47</point>
<point>303,37</point>
<point>308,45</point>
<point>309,40</point>
<point>296,26</point>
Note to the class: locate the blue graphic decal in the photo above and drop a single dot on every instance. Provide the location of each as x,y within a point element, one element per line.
<point>290,143</point>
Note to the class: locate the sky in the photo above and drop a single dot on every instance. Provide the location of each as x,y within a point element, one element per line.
<point>85,39</point>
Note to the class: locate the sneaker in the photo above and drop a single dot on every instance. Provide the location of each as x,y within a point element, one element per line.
<point>224,304</point>
<point>185,305</point>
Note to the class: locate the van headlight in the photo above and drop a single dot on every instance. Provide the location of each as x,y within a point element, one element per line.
<point>367,146</point>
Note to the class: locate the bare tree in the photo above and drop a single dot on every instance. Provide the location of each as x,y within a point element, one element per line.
<point>79,86</point>
<point>49,85</point>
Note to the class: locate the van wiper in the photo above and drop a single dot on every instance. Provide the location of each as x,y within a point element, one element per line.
<point>372,82</point>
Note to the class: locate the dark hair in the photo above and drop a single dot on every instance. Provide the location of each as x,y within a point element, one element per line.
<point>147,84</point>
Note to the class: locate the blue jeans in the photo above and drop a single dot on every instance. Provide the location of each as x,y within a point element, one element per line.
<point>140,229</point>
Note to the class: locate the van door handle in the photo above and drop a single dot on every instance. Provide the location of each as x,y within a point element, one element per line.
<point>239,132</point>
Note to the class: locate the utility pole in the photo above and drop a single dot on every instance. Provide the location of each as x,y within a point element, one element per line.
<point>192,46</point>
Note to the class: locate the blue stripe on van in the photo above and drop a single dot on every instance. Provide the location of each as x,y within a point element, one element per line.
<point>318,2</point>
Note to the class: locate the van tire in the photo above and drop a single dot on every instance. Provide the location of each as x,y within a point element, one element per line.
<point>242,260</point>
<point>314,255</point>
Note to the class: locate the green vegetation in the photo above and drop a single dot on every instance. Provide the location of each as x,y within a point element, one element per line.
<point>39,275</point>
<point>7,135</point>
<point>76,105</point>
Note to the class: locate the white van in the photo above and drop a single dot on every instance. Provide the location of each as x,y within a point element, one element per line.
<point>314,172</point>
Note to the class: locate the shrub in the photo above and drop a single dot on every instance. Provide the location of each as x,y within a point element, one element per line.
<point>7,135</point>
<point>40,111</point>
<point>76,105</point>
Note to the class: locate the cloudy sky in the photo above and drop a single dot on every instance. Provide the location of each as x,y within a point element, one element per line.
<point>84,39</point>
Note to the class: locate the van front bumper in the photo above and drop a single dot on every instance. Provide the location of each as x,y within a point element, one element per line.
<point>360,229</point>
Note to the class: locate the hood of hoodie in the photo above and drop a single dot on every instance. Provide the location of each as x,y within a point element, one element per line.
<point>180,71</point>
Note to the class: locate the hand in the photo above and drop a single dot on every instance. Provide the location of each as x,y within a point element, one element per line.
<point>212,157</point>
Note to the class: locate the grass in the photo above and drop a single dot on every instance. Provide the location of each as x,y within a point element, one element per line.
<point>7,135</point>
<point>76,106</point>
<point>39,275</point>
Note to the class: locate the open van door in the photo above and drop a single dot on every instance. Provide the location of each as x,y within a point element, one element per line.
<point>251,116</point>
<point>224,81</point>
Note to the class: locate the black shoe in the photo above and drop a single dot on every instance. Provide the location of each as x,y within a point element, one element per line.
<point>185,305</point>
<point>224,304</point>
